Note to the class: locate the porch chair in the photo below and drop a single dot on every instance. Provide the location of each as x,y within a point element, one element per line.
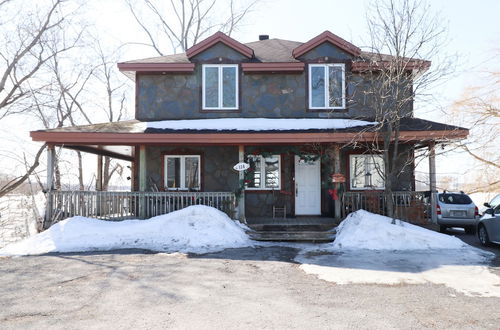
<point>279,203</point>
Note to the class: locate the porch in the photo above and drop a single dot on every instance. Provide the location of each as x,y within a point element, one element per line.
<point>292,170</point>
<point>121,205</point>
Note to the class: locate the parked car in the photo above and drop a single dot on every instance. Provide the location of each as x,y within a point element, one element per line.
<point>488,227</point>
<point>456,210</point>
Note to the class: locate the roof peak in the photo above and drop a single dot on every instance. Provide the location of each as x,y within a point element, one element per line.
<point>330,37</point>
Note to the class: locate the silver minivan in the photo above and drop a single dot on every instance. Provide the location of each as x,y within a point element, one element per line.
<point>456,210</point>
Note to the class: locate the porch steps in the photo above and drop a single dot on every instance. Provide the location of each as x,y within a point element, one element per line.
<point>299,236</point>
<point>313,236</point>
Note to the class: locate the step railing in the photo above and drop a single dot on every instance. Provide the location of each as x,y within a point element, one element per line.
<point>411,206</point>
<point>117,205</point>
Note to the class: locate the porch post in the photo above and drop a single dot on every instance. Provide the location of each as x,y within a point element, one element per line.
<point>336,169</point>
<point>241,177</point>
<point>98,182</point>
<point>50,183</point>
<point>142,180</point>
<point>432,179</point>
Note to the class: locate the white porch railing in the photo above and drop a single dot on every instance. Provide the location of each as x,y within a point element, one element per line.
<point>115,205</point>
<point>412,206</point>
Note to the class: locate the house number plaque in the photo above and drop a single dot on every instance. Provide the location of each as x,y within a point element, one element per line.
<point>241,167</point>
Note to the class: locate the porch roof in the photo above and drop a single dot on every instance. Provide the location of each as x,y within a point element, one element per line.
<point>105,138</point>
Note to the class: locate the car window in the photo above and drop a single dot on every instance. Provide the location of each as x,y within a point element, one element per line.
<point>495,201</point>
<point>454,199</point>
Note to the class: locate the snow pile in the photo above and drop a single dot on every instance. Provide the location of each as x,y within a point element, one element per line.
<point>365,230</point>
<point>369,249</point>
<point>197,229</point>
<point>257,124</point>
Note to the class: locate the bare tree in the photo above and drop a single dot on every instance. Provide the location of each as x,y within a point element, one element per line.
<point>479,109</point>
<point>402,35</point>
<point>27,32</point>
<point>185,22</point>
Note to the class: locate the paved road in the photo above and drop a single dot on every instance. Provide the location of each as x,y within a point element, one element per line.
<point>239,288</point>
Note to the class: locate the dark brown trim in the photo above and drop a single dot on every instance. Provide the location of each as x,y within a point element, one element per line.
<point>86,138</point>
<point>326,36</point>
<point>418,65</point>
<point>157,67</point>
<point>293,67</point>
<point>223,38</point>
<point>97,151</point>
<point>183,152</point>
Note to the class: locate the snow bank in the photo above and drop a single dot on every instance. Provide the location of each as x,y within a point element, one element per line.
<point>257,124</point>
<point>365,230</point>
<point>197,229</point>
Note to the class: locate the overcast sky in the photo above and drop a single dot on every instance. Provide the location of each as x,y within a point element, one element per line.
<point>473,32</point>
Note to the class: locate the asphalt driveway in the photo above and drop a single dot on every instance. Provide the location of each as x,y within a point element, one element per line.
<point>237,288</point>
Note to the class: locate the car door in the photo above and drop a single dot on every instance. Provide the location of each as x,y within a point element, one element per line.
<point>494,231</point>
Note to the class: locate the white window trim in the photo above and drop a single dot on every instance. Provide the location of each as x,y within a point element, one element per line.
<point>220,96</point>
<point>351,174</point>
<point>327,85</point>
<point>183,171</point>
<point>263,174</point>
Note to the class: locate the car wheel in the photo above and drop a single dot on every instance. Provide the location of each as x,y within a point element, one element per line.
<point>471,230</point>
<point>482,234</point>
<point>442,229</point>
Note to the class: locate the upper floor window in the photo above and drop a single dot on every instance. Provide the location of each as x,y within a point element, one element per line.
<point>182,172</point>
<point>327,86</point>
<point>220,86</point>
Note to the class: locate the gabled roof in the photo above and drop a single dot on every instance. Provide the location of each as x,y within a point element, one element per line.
<point>271,55</point>
<point>222,38</point>
<point>326,36</point>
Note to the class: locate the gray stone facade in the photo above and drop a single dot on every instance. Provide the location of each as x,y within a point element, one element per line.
<point>269,95</point>
<point>218,175</point>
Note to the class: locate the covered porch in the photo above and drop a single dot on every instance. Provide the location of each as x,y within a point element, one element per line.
<point>214,152</point>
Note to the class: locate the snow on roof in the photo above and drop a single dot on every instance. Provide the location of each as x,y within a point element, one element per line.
<point>257,124</point>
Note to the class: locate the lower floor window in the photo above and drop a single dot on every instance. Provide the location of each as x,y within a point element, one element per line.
<point>264,172</point>
<point>366,172</point>
<point>182,172</point>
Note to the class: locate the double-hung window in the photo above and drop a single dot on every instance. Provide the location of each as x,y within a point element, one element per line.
<point>327,86</point>
<point>366,172</point>
<point>182,172</point>
<point>264,172</point>
<point>220,87</point>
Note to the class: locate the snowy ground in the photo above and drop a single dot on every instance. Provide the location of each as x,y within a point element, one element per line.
<point>369,249</point>
<point>17,217</point>
<point>197,229</point>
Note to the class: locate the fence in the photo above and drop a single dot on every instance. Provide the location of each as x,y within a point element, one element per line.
<point>113,205</point>
<point>412,206</point>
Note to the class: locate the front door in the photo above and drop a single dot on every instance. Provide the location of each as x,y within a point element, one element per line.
<point>307,187</point>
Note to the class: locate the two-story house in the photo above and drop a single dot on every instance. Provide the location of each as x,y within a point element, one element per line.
<point>292,111</point>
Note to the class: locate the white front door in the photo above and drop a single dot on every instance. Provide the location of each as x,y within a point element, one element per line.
<point>307,187</point>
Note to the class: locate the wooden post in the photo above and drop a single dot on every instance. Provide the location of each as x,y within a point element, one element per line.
<point>241,177</point>
<point>50,183</point>
<point>336,169</point>
<point>98,181</point>
<point>432,180</point>
<point>142,180</point>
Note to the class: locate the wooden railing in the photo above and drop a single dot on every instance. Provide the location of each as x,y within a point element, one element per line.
<point>412,206</point>
<point>114,205</point>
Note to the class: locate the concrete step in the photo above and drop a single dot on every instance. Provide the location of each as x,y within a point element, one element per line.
<point>301,236</point>
<point>293,228</point>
